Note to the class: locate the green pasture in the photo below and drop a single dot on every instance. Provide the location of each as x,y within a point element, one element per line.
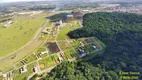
<point>19,33</point>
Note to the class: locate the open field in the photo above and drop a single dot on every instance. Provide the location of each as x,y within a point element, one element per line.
<point>46,63</point>
<point>64,45</point>
<point>18,34</point>
<point>67,28</point>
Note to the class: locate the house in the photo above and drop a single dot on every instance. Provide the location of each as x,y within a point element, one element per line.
<point>23,69</point>
<point>81,44</point>
<point>4,76</point>
<point>36,69</point>
<point>60,59</point>
<point>70,16</point>
<point>44,52</point>
<point>8,24</point>
<point>85,10</point>
<point>94,47</point>
<point>45,32</point>
<point>59,23</point>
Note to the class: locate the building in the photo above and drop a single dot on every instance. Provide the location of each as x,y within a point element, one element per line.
<point>23,69</point>
<point>85,10</point>
<point>44,52</point>
<point>59,23</point>
<point>94,47</point>
<point>36,69</point>
<point>4,76</point>
<point>76,15</point>
<point>45,32</point>
<point>60,59</point>
<point>70,16</point>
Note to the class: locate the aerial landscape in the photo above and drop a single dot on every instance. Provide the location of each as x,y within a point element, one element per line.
<point>70,39</point>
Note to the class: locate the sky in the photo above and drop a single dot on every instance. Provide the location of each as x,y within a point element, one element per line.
<point>1,1</point>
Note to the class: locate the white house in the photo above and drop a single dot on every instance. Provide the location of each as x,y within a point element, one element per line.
<point>70,16</point>
<point>23,69</point>
<point>36,69</point>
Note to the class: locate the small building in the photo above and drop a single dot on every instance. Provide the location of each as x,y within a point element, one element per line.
<point>36,69</point>
<point>4,76</point>
<point>81,44</point>
<point>44,52</point>
<point>23,69</point>
<point>60,59</point>
<point>94,47</point>
<point>70,16</point>
<point>8,24</point>
<point>59,23</point>
<point>85,10</point>
<point>45,32</point>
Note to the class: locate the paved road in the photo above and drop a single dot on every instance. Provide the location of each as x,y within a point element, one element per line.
<point>28,44</point>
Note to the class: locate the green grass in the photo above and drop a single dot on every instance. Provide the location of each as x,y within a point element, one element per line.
<point>64,45</point>
<point>101,43</point>
<point>63,34</point>
<point>49,24</point>
<point>67,28</point>
<point>40,50</point>
<point>52,37</point>
<point>31,66</point>
<point>75,44</point>
<point>31,58</point>
<point>55,57</point>
<point>19,76</point>
<point>48,62</point>
<point>18,34</point>
<point>89,48</point>
<point>22,76</point>
<point>70,54</point>
<point>1,25</point>
<point>1,78</point>
<point>19,64</point>
<point>9,69</point>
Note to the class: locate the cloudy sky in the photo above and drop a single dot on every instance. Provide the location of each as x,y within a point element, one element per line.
<point>65,0</point>
<point>16,0</point>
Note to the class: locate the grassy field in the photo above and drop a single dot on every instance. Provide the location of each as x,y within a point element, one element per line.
<point>67,28</point>
<point>70,54</point>
<point>23,76</point>
<point>64,45</point>
<point>18,34</point>
<point>47,62</point>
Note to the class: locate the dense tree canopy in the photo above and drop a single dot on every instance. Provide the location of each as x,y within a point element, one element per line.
<point>122,35</point>
<point>79,71</point>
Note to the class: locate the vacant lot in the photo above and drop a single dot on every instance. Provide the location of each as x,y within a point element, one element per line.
<point>53,47</point>
<point>67,28</point>
<point>64,45</point>
<point>19,33</point>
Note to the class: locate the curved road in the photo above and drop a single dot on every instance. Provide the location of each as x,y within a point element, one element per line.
<point>28,44</point>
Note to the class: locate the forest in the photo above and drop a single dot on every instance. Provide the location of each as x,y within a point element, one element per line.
<point>122,35</point>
